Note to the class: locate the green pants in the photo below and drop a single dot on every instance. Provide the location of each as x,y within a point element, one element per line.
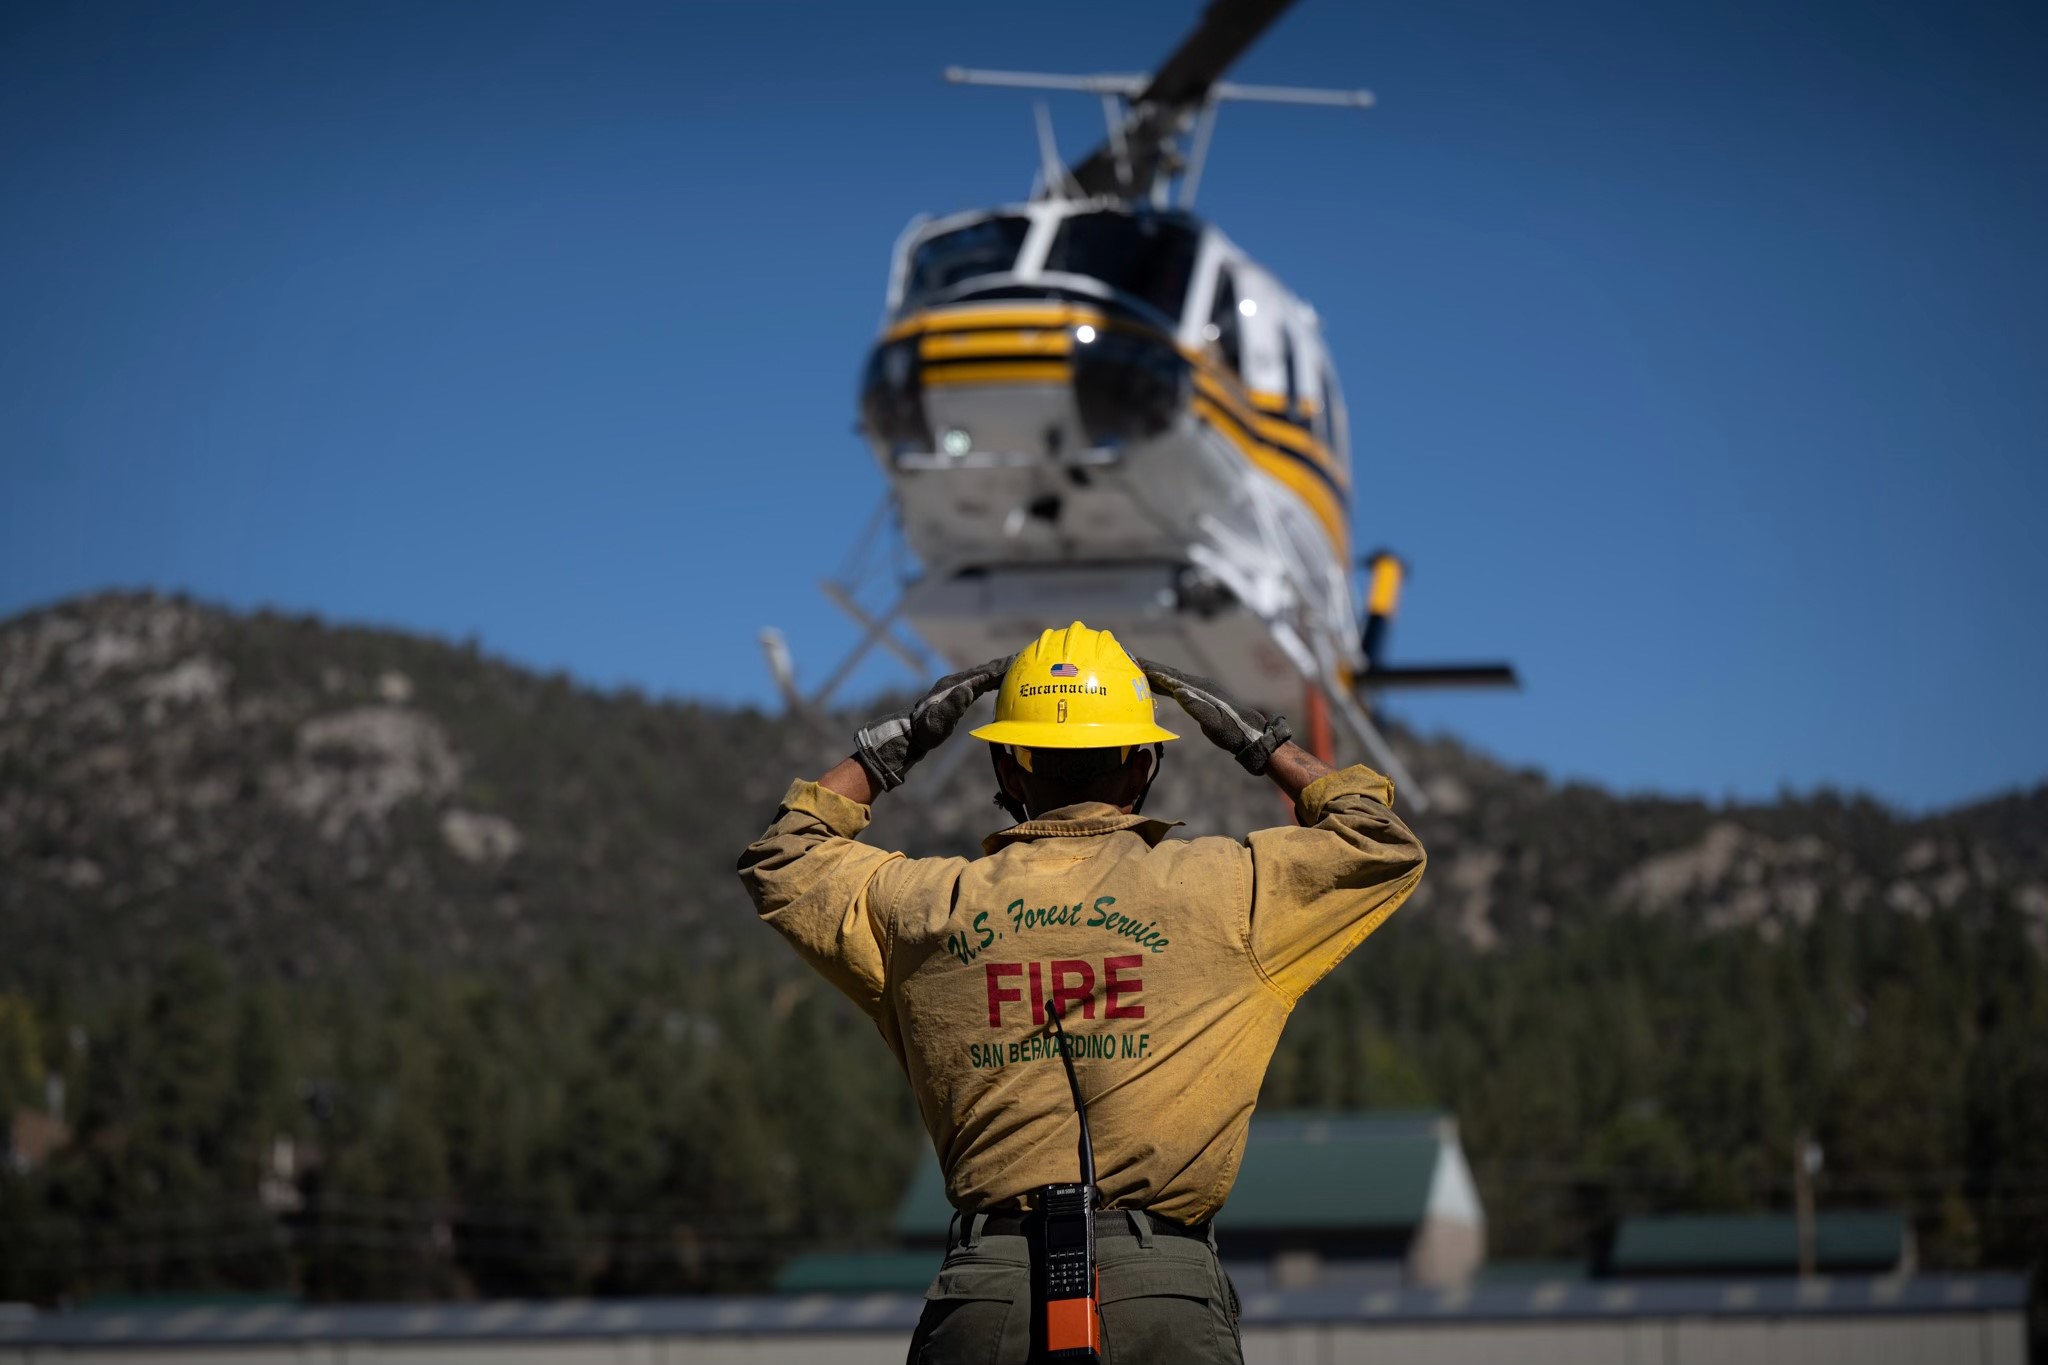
<point>1164,1299</point>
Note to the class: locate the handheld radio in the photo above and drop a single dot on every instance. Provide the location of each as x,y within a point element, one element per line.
<point>1066,1259</point>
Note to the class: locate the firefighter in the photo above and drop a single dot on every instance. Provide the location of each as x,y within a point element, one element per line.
<point>1172,963</point>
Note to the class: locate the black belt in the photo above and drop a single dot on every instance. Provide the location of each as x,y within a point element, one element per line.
<point>1108,1223</point>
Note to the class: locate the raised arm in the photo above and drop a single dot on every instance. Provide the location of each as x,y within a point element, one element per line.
<point>1320,889</point>
<point>811,877</point>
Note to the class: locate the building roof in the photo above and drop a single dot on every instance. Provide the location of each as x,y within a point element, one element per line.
<point>1334,1170</point>
<point>1302,1170</point>
<point>1708,1242</point>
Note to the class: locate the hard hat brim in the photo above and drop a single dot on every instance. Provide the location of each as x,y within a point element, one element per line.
<point>1039,734</point>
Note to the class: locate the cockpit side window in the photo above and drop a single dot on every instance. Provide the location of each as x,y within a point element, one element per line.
<point>1289,384</point>
<point>988,247</point>
<point>1329,420</point>
<point>1224,328</point>
<point>1146,256</point>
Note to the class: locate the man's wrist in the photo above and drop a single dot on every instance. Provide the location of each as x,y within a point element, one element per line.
<point>1293,768</point>
<point>851,780</point>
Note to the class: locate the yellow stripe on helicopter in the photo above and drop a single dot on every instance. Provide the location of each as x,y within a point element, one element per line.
<point>1267,401</point>
<point>1000,372</point>
<point>1002,315</point>
<point>960,345</point>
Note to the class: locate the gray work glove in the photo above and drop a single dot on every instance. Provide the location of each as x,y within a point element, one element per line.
<point>889,747</point>
<point>1230,725</point>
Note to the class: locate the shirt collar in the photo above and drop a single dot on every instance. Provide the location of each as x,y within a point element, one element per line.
<point>1079,820</point>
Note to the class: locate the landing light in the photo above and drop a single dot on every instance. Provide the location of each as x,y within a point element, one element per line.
<point>956,443</point>
<point>1248,307</point>
<point>1084,334</point>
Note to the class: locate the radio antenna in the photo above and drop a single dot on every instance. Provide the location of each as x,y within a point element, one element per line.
<point>1080,1105</point>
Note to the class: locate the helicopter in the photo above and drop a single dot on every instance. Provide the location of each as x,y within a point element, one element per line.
<point>1095,405</point>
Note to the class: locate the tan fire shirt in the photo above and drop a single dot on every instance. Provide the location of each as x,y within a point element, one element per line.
<point>1174,964</point>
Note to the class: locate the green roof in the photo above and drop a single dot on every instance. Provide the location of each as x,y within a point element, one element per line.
<point>1336,1170</point>
<point>1301,1169</point>
<point>859,1272</point>
<point>1719,1242</point>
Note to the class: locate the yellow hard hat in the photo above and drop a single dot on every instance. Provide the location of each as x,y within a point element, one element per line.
<point>1074,689</point>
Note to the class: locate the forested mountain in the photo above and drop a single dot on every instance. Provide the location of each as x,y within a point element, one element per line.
<point>352,963</point>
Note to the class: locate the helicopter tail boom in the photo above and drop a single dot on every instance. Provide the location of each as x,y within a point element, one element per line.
<point>1386,572</point>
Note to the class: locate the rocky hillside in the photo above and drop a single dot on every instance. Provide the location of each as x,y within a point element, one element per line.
<point>325,801</point>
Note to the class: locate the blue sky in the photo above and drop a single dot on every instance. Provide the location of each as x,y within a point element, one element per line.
<point>1695,352</point>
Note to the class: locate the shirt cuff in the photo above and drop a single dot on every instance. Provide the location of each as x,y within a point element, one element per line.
<point>1356,780</point>
<point>844,817</point>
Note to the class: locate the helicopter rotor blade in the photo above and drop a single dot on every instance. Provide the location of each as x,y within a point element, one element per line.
<point>1159,111</point>
<point>1226,29</point>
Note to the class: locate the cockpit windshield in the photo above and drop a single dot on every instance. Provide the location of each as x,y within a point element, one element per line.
<point>1145,255</point>
<point>988,247</point>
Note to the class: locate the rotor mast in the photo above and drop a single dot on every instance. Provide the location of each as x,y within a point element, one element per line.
<point>1147,116</point>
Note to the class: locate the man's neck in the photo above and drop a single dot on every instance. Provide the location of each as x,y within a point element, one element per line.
<point>1127,809</point>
